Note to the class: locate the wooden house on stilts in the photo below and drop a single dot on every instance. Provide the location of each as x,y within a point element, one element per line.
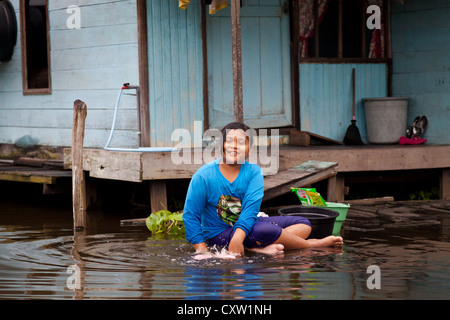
<point>275,64</point>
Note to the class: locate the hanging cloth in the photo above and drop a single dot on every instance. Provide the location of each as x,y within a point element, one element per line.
<point>306,22</point>
<point>377,40</point>
<point>217,5</point>
<point>182,4</point>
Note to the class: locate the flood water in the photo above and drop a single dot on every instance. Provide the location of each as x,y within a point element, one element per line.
<point>40,258</point>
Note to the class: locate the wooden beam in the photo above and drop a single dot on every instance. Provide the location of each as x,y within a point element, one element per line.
<point>237,61</point>
<point>78,178</point>
<point>371,157</point>
<point>114,165</point>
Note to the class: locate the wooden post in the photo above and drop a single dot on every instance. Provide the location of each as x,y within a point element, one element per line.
<point>331,189</point>
<point>158,195</point>
<point>78,182</point>
<point>143,72</point>
<point>237,63</point>
<point>445,184</point>
<point>340,187</point>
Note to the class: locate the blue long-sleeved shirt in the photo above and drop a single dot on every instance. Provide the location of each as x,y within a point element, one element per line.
<point>207,185</point>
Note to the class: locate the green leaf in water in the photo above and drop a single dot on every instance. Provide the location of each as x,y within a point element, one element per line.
<point>165,222</point>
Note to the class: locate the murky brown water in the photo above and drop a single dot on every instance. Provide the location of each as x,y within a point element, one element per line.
<point>41,259</point>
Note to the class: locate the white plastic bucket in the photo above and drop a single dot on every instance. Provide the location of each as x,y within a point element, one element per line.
<point>386,119</point>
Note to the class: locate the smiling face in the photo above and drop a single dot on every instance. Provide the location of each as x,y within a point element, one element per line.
<point>236,147</point>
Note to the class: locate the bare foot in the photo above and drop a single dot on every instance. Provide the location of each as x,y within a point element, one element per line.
<point>326,242</point>
<point>271,249</point>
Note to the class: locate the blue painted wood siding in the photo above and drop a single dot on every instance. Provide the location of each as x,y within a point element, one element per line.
<point>90,64</point>
<point>326,96</point>
<point>175,68</point>
<point>266,65</point>
<point>421,62</point>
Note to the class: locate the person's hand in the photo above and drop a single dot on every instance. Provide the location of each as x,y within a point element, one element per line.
<point>201,247</point>
<point>236,247</point>
<point>236,244</point>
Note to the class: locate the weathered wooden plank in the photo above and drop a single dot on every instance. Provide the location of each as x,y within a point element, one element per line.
<point>159,165</point>
<point>10,172</point>
<point>124,166</point>
<point>313,166</point>
<point>26,177</point>
<point>94,14</point>
<point>371,158</point>
<point>298,176</point>
<point>93,37</point>
<point>88,57</point>
<point>100,119</point>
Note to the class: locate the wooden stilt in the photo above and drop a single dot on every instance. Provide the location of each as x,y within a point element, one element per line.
<point>158,195</point>
<point>331,189</point>
<point>445,184</point>
<point>340,187</point>
<point>78,178</point>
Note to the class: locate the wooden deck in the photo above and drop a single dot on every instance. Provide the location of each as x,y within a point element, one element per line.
<point>158,166</point>
<point>49,173</point>
<point>46,173</point>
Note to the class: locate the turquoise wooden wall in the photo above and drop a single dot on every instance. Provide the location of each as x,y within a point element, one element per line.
<point>326,96</point>
<point>421,62</point>
<point>266,78</point>
<point>90,64</point>
<point>175,68</point>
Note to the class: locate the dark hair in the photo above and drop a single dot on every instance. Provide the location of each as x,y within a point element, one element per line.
<point>236,126</point>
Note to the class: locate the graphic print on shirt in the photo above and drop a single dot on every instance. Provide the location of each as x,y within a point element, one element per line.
<point>229,209</point>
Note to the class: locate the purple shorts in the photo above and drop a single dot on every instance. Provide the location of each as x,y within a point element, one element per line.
<point>264,232</point>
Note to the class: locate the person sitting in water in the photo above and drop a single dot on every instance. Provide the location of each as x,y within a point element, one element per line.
<point>224,198</point>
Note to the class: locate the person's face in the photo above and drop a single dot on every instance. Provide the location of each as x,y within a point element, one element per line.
<point>236,147</point>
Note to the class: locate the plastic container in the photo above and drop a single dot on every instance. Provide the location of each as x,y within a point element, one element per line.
<point>386,119</point>
<point>322,220</point>
<point>342,209</point>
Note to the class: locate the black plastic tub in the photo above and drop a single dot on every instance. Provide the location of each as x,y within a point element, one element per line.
<point>322,219</point>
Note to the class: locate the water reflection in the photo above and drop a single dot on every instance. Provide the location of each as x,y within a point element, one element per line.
<point>39,253</point>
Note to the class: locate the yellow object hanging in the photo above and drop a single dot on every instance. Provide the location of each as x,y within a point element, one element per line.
<point>217,5</point>
<point>182,4</point>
